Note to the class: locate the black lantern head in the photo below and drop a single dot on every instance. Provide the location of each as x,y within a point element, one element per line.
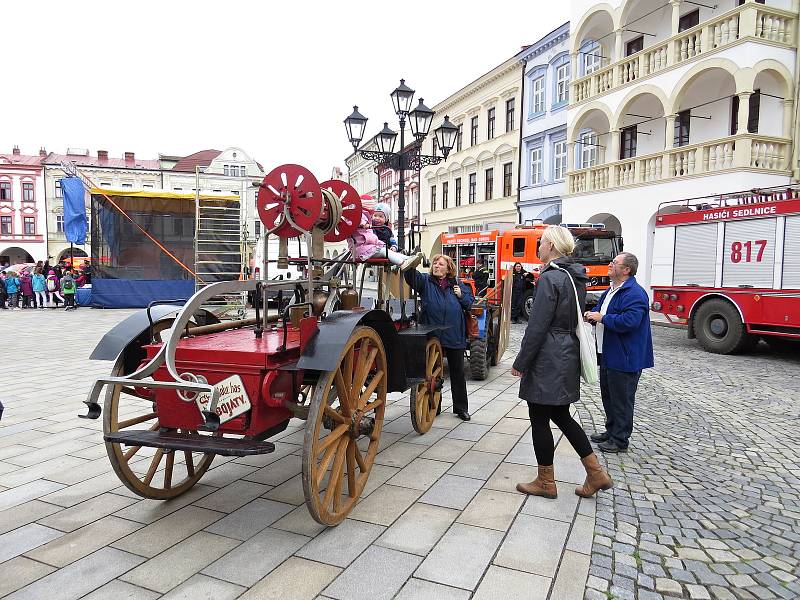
<point>385,139</point>
<point>420,120</point>
<point>401,98</point>
<point>446,136</point>
<point>355,124</point>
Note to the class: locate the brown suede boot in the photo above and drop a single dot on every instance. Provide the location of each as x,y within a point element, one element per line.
<point>544,485</point>
<point>596,478</point>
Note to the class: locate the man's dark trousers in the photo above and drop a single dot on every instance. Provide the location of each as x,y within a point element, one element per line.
<point>618,391</point>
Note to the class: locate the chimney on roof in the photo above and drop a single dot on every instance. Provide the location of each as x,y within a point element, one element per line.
<point>129,157</point>
<point>102,155</point>
<point>42,152</point>
<point>16,150</point>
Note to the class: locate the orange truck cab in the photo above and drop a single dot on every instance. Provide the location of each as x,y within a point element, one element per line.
<point>499,250</point>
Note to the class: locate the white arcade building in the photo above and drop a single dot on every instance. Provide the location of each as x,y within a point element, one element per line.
<point>673,100</point>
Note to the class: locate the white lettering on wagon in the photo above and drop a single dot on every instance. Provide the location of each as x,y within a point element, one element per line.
<point>233,399</point>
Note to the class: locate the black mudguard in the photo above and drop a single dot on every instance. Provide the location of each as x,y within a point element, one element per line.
<point>322,352</point>
<point>133,333</point>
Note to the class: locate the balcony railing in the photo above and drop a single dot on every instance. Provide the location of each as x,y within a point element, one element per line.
<point>749,20</point>
<point>750,151</point>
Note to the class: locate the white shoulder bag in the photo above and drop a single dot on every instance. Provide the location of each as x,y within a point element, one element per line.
<point>585,335</point>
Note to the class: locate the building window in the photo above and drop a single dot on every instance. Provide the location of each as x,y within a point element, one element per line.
<point>473,131</point>
<point>536,166</point>
<point>5,190</point>
<point>445,191</point>
<point>472,186</point>
<point>435,146</point>
<point>459,137</point>
<point>458,191</point>
<point>27,191</point>
<point>147,185</point>
<point>588,146</point>
<point>627,148</point>
<point>177,189</point>
<point>689,20</point>
<point>754,108</point>
<point>489,190</point>
<point>510,114</point>
<point>682,126</point>
<point>6,226</point>
<point>60,223</point>
<point>538,95</point>
<point>490,124</point>
<point>559,160</point>
<point>507,174</point>
<point>257,228</point>
<point>59,194</point>
<point>127,185</point>
<point>29,225</point>
<point>592,58</point>
<point>433,198</point>
<point>634,46</point>
<point>105,184</point>
<point>562,84</point>
<point>757,1</point>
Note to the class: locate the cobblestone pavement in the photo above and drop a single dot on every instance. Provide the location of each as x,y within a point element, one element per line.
<point>706,503</point>
<point>440,517</point>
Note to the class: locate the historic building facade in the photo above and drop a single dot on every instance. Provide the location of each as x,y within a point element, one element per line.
<point>676,100</point>
<point>476,188</point>
<point>543,116</point>
<point>23,213</point>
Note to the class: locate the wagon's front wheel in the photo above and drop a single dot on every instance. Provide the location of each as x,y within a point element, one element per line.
<point>426,396</point>
<point>149,472</point>
<point>344,428</point>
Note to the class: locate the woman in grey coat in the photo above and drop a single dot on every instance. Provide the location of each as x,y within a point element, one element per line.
<point>549,364</point>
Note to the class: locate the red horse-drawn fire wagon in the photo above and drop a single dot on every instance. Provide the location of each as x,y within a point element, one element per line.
<point>188,387</point>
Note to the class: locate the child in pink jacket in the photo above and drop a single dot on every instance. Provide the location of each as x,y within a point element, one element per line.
<point>364,244</point>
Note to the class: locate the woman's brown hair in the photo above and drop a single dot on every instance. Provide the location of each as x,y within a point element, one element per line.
<point>451,265</point>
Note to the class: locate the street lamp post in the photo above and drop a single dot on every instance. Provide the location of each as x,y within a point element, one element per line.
<point>410,158</point>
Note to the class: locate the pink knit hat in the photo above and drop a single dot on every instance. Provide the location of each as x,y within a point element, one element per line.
<point>368,202</point>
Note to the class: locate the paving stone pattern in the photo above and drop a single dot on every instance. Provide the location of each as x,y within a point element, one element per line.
<point>706,503</point>
<point>439,517</point>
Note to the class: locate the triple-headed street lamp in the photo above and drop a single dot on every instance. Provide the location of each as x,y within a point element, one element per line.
<point>406,158</point>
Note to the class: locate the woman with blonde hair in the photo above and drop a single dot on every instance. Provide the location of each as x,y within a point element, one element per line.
<point>444,300</point>
<point>550,366</point>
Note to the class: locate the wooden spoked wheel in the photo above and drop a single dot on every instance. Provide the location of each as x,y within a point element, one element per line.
<point>150,472</point>
<point>426,396</point>
<point>344,428</point>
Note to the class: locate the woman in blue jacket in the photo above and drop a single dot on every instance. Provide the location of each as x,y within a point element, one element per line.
<point>444,300</point>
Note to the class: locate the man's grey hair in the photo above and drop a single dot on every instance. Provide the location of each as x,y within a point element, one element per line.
<point>629,260</point>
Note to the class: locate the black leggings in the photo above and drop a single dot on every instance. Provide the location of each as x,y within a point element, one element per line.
<point>458,382</point>
<point>543,444</point>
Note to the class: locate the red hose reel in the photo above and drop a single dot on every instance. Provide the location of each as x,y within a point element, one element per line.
<point>291,202</point>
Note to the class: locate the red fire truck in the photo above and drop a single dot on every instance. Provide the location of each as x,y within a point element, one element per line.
<point>728,267</point>
<point>499,250</point>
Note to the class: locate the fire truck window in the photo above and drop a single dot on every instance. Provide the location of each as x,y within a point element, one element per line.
<point>594,249</point>
<point>519,247</point>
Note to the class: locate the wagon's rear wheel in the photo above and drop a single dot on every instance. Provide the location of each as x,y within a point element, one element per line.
<point>426,397</point>
<point>150,472</point>
<point>344,428</point>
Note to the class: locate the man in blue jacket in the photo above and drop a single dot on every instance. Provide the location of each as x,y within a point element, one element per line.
<point>625,347</point>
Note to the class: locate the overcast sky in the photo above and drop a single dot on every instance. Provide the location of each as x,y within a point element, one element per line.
<point>276,79</point>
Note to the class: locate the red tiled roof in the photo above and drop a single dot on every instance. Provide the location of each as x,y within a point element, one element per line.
<point>93,161</point>
<point>198,159</point>
<point>20,159</point>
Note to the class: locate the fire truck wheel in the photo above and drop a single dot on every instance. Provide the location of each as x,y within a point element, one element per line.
<point>149,472</point>
<point>479,359</point>
<point>527,305</point>
<point>343,429</point>
<point>426,397</point>
<point>719,328</point>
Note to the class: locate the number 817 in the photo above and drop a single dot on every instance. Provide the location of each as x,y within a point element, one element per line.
<point>744,251</point>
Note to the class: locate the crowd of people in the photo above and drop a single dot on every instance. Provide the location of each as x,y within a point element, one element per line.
<point>43,286</point>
